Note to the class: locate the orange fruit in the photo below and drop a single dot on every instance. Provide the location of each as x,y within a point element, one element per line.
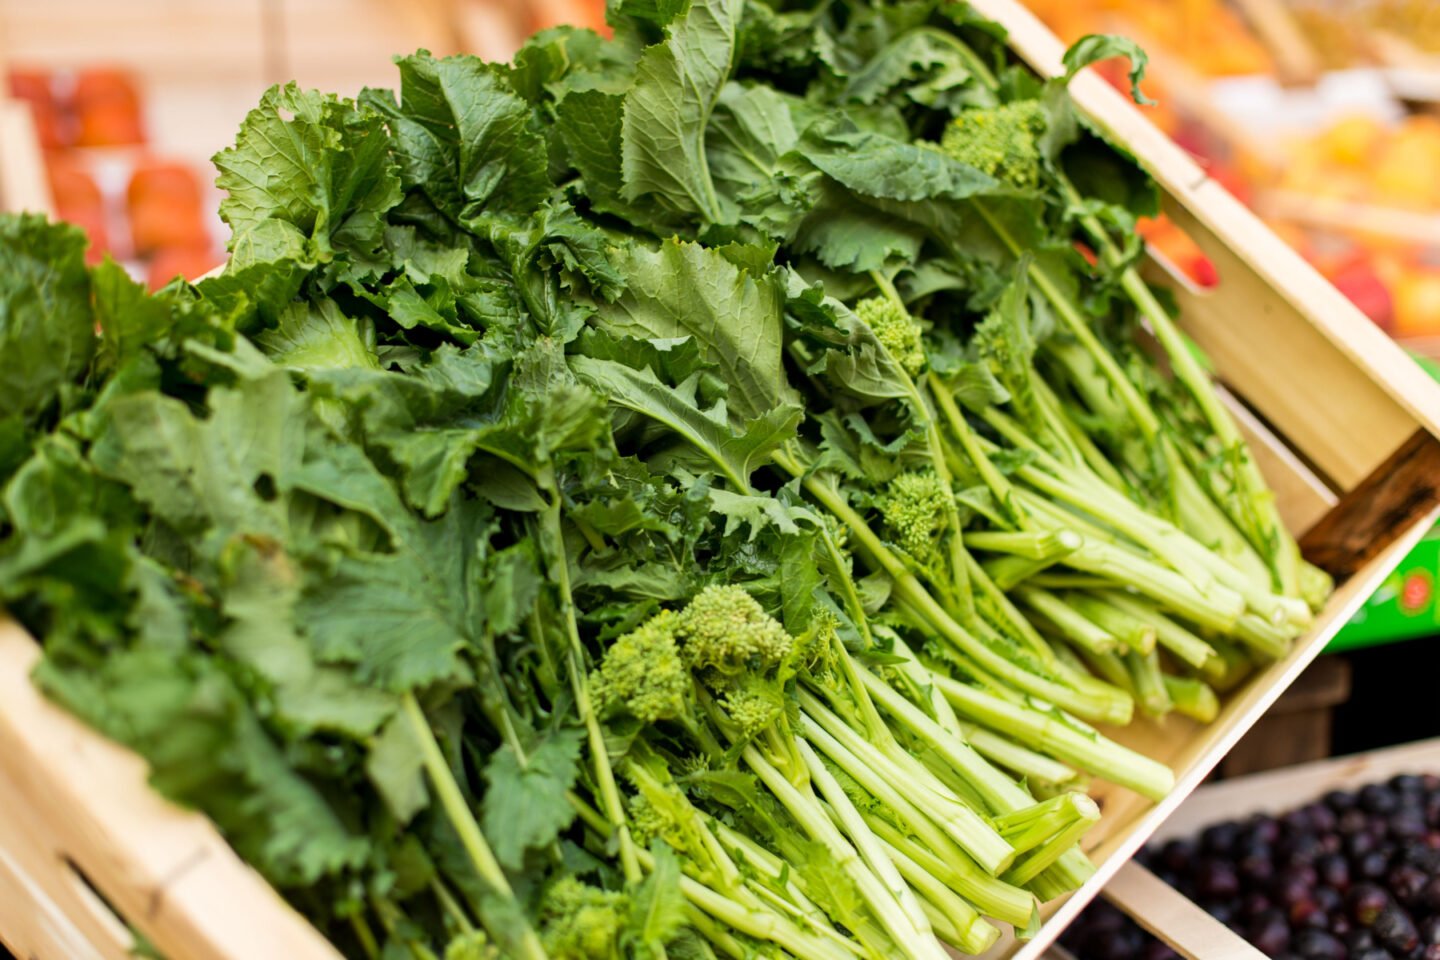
<point>1417,305</point>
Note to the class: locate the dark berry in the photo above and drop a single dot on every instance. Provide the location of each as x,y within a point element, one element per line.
<point>1430,895</point>
<point>1372,953</point>
<point>1372,865</point>
<point>1263,829</point>
<point>1359,939</point>
<point>1366,902</point>
<point>1256,863</point>
<point>1254,903</point>
<point>1429,951</point>
<point>1429,930</point>
<point>1358,844</point>
<point>1269,933</point>
<point>1407,784</point>
<point>1220,838</point>
<point>1408,824</point>
<point>1378,799</point>
<point>1406,883</point>
<point>1333,871</point>
<point>1177,855</point>
<point>1395,931</point>
<point>1308,913</point>
<point>1322,818</point>
<point>1316,945</point>
<point>1340,924</point>
<point>1339,800</point>
<point>1328,899</point>
<point>1216,879</point>
<point>1300,848</point>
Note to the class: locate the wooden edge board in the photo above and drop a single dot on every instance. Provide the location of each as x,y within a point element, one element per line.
<point>24,186</point>
<point>1174,918</point>
<point>1404,487</point>
<point>166,870</point>
<point>1239,714</point>
<point>1387,383</point>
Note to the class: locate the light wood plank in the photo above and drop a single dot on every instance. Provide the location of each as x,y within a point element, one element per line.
<point>167,870</point>
<point>1170,916</point>
<point>24,186</point>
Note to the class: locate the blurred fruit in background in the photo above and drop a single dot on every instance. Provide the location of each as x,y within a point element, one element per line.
<point>189,264</point>
<point>78,199</point>
<point>166,207</point>
<point>107,109</point>
<point>1207,33</point>
<point>150,213</point>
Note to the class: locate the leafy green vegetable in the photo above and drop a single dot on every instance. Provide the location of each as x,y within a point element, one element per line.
<point>678,495</point>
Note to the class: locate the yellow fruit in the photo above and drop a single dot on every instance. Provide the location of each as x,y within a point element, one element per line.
<point>1351,141</point>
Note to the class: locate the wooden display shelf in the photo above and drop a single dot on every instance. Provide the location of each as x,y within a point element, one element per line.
<point>1345,427</point>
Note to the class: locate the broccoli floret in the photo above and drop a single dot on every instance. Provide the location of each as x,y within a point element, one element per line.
<point>1002,141</point>
<point>581,922</point>
<point>896,330</point>
<point>725,630</point>
<point>472,946</point>
<point>642,673</point>
<point>914,507</point>
<point>647,822</point>
<point>753,702</point>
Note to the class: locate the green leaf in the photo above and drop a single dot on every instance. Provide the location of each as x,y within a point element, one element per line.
<point>130,319</point>
<point>396,767</point>
<point>313,336</point>
<point>684,289</point>
<point>736,454</point>
<point>463,137</point>
<point>47,333</point>
<point>1095,47</point>
<point>310,176</point>
<point>525,806</point>
<point>659,909</point>
<point>667,110</point>
<point>876,165</point>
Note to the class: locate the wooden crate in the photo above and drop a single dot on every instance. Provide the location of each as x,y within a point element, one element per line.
<point>1345,426</point>
<point>1169,915</point>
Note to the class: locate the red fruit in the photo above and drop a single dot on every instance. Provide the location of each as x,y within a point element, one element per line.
<point>166,207</point>
<point>190,263</point>
<point>107,103</point>
<point>1364,288</point>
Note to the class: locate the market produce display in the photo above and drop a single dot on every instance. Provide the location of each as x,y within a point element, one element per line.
<point>1355,875</point>
<point>682,494</point>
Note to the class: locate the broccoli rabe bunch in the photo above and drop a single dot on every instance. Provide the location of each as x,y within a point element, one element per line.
<point>642,674</point>
<point>723,639</point>
<point>896,330</point>
<point>472,945</point>
<point>738,652</point>
<point>913,507</point>
<point>581,922</point>
<point>1002,141</point>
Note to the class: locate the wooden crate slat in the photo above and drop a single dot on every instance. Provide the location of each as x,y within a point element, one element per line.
<point>1173,918</point>
<point>168,871</point>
